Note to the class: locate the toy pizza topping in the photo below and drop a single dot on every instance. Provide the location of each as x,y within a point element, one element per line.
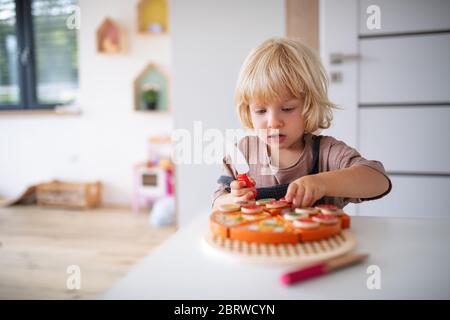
<point>325,218</point>
<point>293,216</point>
<point>270,222</point>
<point>262,202</point>
<point>245,203</point>
<point>276,204</point>
<point>252,209</point>
<point>326,206</point>
<point>255,216</point>
<point>307,211</point>
<point>229,207</point>
<point>269,225</point>
<point>337,212</point>
<point>278,229</point>
<point>330,209</point>
<point>228,219</point>
<point>306,223</point>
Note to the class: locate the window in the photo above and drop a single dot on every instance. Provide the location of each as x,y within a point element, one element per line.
<point>38,54</point>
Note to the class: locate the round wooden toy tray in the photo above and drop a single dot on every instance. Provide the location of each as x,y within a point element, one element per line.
<point>282,254</point>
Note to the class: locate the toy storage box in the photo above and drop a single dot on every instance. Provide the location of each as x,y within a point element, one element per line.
<point>69,195</point>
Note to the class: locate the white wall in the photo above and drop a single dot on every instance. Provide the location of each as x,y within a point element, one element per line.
<point>210,42</point>
<point>105,141</point>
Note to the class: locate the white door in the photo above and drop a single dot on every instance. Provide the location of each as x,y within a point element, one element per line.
<point>389,68</point>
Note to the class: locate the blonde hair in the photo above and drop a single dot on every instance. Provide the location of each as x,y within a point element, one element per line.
<point>280,68</point>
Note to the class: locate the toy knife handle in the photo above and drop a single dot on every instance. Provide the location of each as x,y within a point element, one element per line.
<point>244,177</point>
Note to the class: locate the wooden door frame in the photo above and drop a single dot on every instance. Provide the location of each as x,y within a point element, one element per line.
<point>302,21</point>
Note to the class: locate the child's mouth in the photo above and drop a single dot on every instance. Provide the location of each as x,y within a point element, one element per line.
<point>276,138</point>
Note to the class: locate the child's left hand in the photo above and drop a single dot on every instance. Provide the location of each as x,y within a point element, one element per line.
<point>306,190</point>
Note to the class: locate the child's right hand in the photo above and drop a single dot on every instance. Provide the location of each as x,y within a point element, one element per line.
<point>240,192</point>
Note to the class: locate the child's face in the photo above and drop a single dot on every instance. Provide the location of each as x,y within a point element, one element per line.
<point>286,116</point>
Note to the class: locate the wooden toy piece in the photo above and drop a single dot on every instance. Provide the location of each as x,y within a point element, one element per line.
<point>305,223</point>
<point>330,209</point>
<point>271,231</point>
<point>326,218</point>
<point>287,254</point>
<point>309,229</point>
<point>263,202</point>
<point>294,216</point>
<point>345,221</point>
<point>276,207</point>
<point>218,229</point>
<point>221,222</point>
<point>246,203</point>
<point>322,232</point>
<point>326,206</point>
<point>255,216</point>
<point>273,212</point>
<point>321,268</point>
<point>278,223</point>
<point>252,209</point>
<point>308,211</point>
<point>229,207</point>
<point>293,237</point>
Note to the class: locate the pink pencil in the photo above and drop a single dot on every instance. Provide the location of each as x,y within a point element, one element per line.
<point>321,268</point>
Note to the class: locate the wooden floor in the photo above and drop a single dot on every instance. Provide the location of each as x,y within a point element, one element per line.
<point>38,245</point>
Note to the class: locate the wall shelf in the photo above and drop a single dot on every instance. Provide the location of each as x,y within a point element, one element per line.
<point>151,90</point>
<point>110,37</point>
<point>153,17</point>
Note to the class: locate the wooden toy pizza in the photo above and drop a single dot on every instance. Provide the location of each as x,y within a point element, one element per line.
<point>272,231</point>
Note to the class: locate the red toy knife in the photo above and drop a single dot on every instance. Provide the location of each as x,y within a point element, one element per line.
<point>240,164</point>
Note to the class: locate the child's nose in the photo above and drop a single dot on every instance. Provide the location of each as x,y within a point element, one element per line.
<point>274,121</point>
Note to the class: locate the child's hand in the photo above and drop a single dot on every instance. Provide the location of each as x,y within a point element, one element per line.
<point>240,192</point>
<point>305,191</point>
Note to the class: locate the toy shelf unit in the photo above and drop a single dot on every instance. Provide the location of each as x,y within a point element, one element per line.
<point>153,17</point>
<point>151,90</point>
<point>110,37</point>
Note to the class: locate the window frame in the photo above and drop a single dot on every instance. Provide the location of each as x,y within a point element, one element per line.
<point>26,71</point>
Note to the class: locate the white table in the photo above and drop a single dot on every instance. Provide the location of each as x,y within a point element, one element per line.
<point>413,255</point>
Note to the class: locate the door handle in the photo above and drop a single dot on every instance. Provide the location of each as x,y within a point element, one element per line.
<point>338,58</point>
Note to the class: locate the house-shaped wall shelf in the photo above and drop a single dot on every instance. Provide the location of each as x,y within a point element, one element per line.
<point>151,90</point>
<point>109,37</point>
<point>153,16</point>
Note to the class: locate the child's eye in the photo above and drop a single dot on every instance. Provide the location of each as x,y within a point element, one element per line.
<point>287,109</point>
<point>260,111</point>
